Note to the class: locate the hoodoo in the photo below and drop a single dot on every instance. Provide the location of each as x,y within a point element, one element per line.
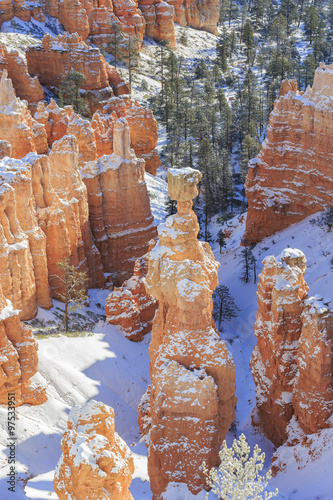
<point>191,400</point>
<point>120,216</point>
<point>95,463</point>
<point>291,177</point>
<point>292,362</point>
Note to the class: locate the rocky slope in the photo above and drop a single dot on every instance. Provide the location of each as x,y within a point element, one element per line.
<point>293,359</point>
<point>191,400</point>
<point>95,463</point>
<point>291,177</point>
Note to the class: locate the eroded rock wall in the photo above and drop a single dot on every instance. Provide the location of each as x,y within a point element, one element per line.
<point>292,363</point>
<point>191,400</point>
<point>25,86</point>
<point>19,359</point>
<point>313,388</point>
<point>200,14</point>
<point>291,177</point>
<point>120,216</point>
<point>95,462</point>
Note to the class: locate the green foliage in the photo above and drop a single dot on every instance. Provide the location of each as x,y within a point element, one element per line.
<point>225,307</point>
<point>114,46</point>
<point>69,91</point>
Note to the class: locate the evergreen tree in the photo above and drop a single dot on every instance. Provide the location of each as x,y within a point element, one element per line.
<point>248,38</point>
<point>311,22</point>
<point>224,306</point>
<point>289,10</point>
<point>115,44</point>
<point>69,91</point>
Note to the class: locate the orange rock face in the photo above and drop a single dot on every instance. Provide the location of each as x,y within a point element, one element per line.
<point>130,307</point>
<point>290,178</point>
<point>292,362</point>
<point>57,56</point>
<point>120,216</point>
<point>17,126</point>
<point>281,293</point>
<point>313,388</point>
<point>25,87</point>
<point>19,359</point>
<point>198,14</point>
<point>143,129</point>
<point>159,17</point>
<point>191,400</point>
<point>44,211</point>
<point>95,463</point>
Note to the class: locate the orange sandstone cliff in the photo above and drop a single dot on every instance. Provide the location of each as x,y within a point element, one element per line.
<point>47,214</point>
<point>159,17</point>
<point>95,462</point>
<point>94,19</point>
<point>120,216</point>
<point>200,14</point>
<point>85,17</point>
<point>292,364</point>
<point>25,86</point>
<point>18,358</point>
<point>291,177</point>
<point>191,399</point>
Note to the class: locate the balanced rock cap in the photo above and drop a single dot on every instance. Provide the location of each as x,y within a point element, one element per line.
<point>182,183</point>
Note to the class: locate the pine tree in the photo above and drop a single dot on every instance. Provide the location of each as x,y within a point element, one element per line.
<point>115,44</point>
<point>221,239</point>
<point>289,10</point>
<point>311,22</point>
<point>130,55</point>
<point>248,38</point>
<point>248,264</point>
<point>69,91</point>
<point>225,307</point>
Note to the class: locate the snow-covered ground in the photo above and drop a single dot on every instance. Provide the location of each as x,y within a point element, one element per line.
<point>106,366</point>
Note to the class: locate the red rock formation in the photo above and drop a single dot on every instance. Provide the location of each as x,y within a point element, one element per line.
<point>143,128</point>
<point>18,360</point>
<point>23,247</point>
<point>25,87</point>
<point>130,307</point>
<point>159,17</point>
<point>120,216</point>
<point>95,463</point>
<point>57,56</point>
<point>191,402</point>
<point>67,183</point>
<point>313,388</point>
<point>44,217</point>
<point>17,125</point>
<point>292,364</point>
<point>281,293</point>
<point>290,178</point>
<point>198,14</point>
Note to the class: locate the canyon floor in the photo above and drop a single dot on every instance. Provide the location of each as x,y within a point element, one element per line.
<point>101,364</point>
